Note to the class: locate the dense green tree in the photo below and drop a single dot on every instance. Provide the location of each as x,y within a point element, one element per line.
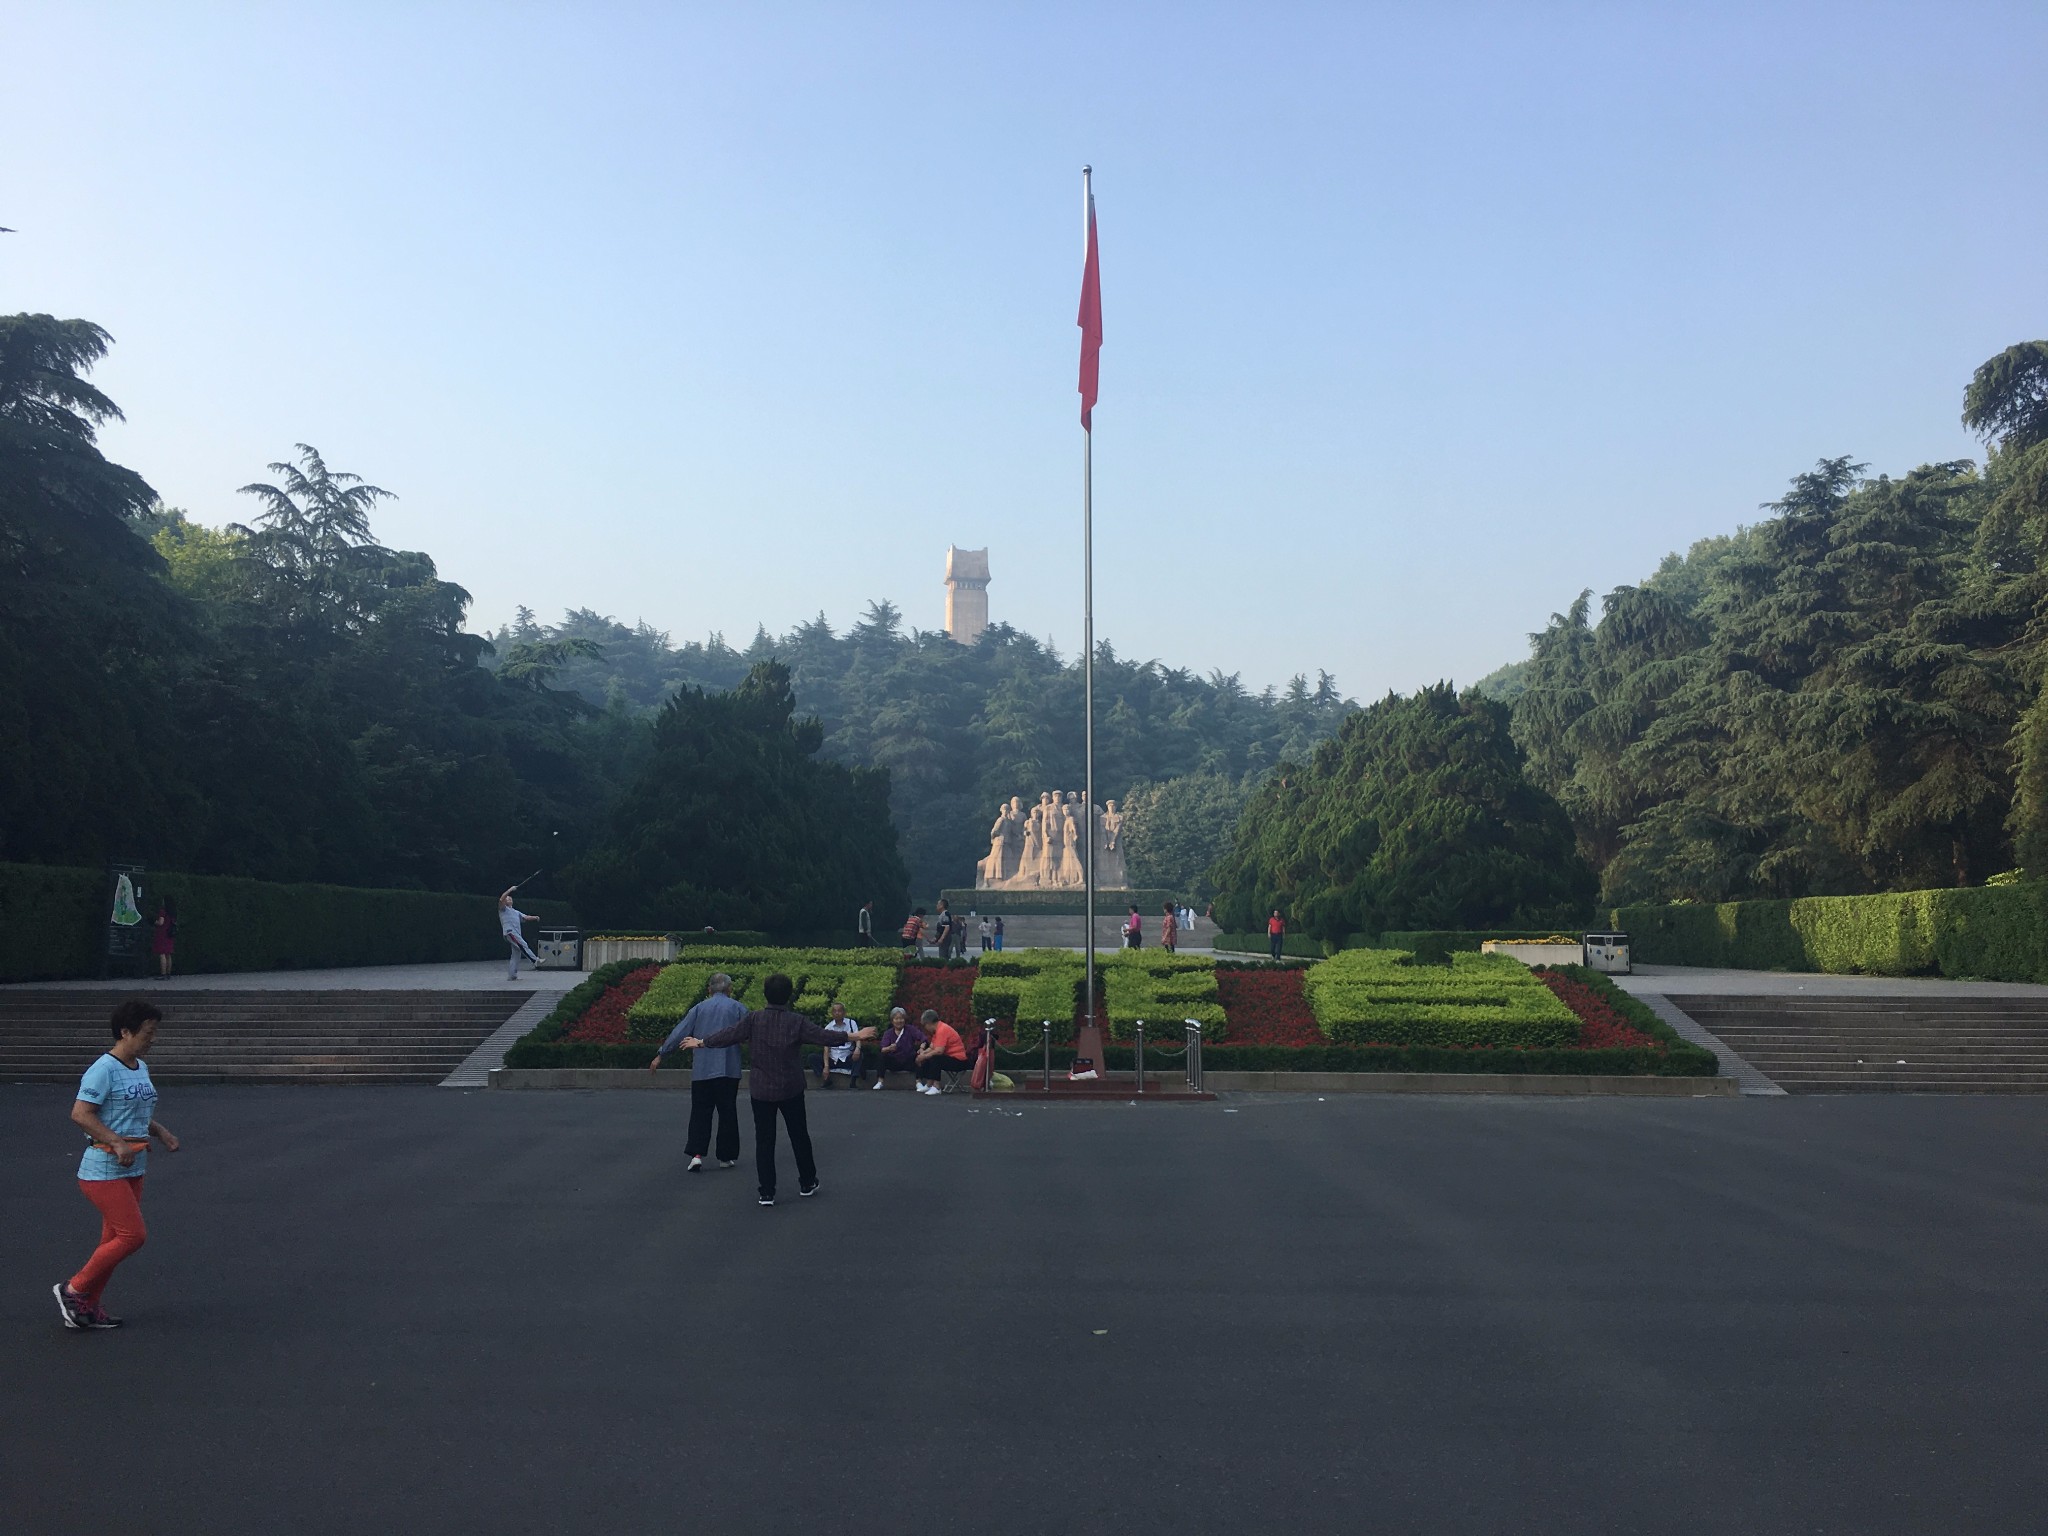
<point>1177,829</point>
<point>1829,701</point>
<point>735,822</point>
<point>1416,815</point>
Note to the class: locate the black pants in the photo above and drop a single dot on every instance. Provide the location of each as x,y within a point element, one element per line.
<point>722,1095</point>
<point>930,1068</point>
<point>799,1142</point>
<point>1276,945</point>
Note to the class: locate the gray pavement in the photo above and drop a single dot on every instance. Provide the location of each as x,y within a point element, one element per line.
<point>369,1310</point>
<point>455,976</point>
<point>1677,980</point>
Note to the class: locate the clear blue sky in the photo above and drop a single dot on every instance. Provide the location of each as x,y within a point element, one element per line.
<point>1419,319</point>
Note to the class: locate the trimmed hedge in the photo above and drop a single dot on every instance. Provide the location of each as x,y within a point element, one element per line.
<point>1375,997</point>
<point>864,980</point>
<point>1299,945</point>
<point>53,923</point>
<point>1436,945</point>
<point>1997,933</point>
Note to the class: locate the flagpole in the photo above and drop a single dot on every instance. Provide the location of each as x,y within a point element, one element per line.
<point>1088,625</point>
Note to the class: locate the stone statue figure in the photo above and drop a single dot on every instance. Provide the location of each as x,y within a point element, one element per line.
<point>1055,845</point>
<point>1033,859</point>
<point>1046,847</point>
<point>1111,873</point>
<point>1005,846</point>
<point>1073,871</point>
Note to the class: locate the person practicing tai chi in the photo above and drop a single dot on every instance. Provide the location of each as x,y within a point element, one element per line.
<point>777,1035</point>
<point>509,919</point>
<point>714,1074</point>
<point>116,1108</point>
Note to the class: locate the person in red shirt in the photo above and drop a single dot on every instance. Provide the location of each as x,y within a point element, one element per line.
<point>1276,930</point>
<point>946,1048</point>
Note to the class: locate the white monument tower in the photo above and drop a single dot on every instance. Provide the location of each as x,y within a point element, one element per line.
<point>966,593</point>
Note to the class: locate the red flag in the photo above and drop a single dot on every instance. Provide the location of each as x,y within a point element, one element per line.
<point>1090,319</point>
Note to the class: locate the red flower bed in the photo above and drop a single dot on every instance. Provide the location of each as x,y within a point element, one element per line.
<point>948,988</point>
<point>605,1022</point>
<point>1601,1025</point>
<point>1266,1008</point>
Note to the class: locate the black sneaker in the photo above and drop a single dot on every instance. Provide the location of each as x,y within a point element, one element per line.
<point>728,1162</point>
<point>807,1190</point>
<point>99,1317</point>
<point>767,1200</point>
<point>76,1309</point>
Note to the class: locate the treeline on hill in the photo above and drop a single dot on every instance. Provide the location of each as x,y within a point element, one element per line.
<point>961,728</point>
<point>1416,816</point>
<point>293,701</point>
<point>1846,697</point>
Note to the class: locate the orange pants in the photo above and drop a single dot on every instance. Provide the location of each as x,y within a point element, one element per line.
<point>121,1232</point>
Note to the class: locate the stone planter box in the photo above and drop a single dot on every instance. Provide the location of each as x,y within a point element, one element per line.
<point>597,952</point>
<point>1536,954</point>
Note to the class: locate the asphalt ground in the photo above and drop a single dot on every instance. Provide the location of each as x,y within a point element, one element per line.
<point>422,1311</point>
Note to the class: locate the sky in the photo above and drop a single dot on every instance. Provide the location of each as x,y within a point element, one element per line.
<point>1418,319</point>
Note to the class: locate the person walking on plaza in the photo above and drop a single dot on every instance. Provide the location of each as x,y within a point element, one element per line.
<point>1276,931</point>
<point>864,926</point>
<point>164,939</point>
<point>913,935</point>
<point>714,1074</point>
<point>1134,929</point>
<point>1169,928</point>
<point>509,919</point>
<point>988,937</point>
<point>778,1034</point>
<point>116,1108</point>
<point>945,930</point>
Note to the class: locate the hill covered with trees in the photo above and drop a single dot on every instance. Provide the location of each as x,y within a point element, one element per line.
<point>960,728</point>
<point>292,700</point>
<point>1844,697</point>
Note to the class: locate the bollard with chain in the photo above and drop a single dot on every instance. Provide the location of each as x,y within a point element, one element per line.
<point>1141,1056</point>
<point>1045,1033</point>
<point>1194,1034</point>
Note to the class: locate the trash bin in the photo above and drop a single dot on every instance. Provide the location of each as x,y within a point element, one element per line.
<point>560,949</point>
<point>1609,952</point>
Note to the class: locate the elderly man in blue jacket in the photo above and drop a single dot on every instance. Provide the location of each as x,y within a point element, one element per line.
<point>714,1074</point>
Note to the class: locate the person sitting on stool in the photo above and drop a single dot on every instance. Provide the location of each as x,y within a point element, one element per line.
<point>945,1052</point>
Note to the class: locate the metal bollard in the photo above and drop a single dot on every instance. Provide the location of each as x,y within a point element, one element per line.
<point>1045,1032</point>
<point>1141,1056</point>
<point>1194,1034</point>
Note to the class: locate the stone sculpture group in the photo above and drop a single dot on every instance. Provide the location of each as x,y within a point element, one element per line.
<point>1041,849</point>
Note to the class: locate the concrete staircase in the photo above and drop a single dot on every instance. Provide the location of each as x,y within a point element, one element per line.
<point>1885,1044</point>
<point>258,1037</point>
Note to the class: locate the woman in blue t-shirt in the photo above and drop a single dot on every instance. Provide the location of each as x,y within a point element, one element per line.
<point>116,1107</point>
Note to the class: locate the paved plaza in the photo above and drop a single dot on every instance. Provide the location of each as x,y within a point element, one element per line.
<point>419,1310</point>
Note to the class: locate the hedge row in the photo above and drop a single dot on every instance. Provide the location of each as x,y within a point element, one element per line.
<point>1299,945</point>
<point>1434,945</point>
<point>53,924</point>
<point>1998,933</point>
